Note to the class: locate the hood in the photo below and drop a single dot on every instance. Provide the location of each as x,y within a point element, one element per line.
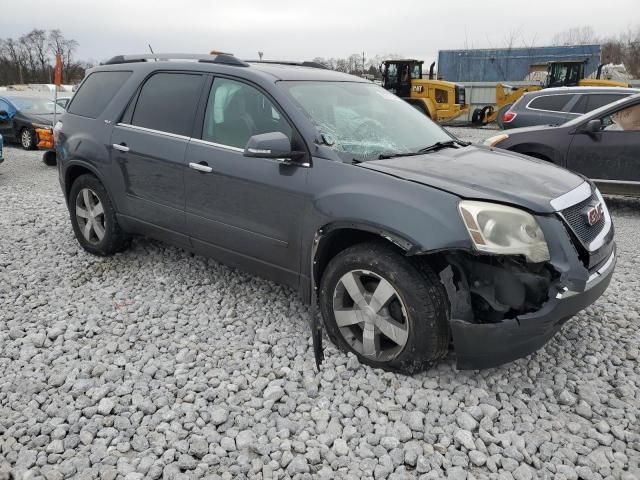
<point>43,119</point>
<point>481,173</point>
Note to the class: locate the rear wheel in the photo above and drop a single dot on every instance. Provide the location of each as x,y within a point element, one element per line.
<point>387,310</point>
<point>28,139</point>
<point>93,217</point>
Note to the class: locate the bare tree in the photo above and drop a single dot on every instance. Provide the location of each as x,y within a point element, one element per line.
<point>30,58</point>
<point>584,35</point>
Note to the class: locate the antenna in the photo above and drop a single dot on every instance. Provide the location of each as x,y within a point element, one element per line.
<point>151,49</point>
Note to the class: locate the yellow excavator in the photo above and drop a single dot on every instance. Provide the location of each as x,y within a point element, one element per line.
<point>438,99</point>
<point>568,73</point>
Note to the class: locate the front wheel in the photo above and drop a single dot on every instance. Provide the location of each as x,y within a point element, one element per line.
<point>388,310</point>
<point>93,217</point>
<point>28,139</point>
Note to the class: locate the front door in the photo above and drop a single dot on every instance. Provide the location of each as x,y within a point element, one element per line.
<point>613,153</point>
<point>244,211</point>
<point>148,149</point>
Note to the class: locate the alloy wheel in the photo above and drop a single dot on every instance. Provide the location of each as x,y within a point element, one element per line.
<point>26,139</point>
<point>90,216</point>
<point>370,315</point>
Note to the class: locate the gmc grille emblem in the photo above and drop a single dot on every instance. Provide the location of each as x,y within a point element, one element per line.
<point>594,214</point>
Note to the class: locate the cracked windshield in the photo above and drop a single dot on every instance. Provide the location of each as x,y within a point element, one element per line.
<point>362,121</point>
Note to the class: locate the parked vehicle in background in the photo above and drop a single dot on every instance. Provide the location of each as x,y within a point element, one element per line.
<point>405,236</point>
<point>63,101</point>
<point>554,106</point>
<point>603,145</point>
<point>27,120</point>
<point>563,73</point>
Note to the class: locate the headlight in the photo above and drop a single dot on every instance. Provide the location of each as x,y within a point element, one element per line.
<point>496,139</point>
<point>504,230</point>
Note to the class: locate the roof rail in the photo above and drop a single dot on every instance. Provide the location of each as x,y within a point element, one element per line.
<point>285,62</point>
<point>224,58</point>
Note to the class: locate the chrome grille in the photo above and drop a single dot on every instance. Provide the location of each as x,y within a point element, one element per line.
<point>576,219</point>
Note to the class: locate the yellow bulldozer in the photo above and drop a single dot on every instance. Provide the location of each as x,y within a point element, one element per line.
<point>438,99</point>
<point>568,73</point>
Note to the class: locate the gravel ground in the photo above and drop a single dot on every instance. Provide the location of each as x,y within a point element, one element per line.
<point>475,135</point>
<point>156,363</point>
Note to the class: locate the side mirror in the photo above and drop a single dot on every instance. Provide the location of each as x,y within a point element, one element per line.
<point>273,145</point>
<point>3,115</point>
<point>592,126</point>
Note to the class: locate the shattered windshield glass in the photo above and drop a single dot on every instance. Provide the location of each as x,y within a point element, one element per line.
<point>362,121</point>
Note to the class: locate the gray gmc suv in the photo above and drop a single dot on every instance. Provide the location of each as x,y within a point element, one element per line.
<point>407,239</point>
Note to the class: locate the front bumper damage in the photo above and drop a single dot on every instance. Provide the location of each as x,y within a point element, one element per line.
<point>571,288</point>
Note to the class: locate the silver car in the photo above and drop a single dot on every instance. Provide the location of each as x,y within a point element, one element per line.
<point>554,106</point>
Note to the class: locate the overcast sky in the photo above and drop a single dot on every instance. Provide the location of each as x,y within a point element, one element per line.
<point>298,29</point>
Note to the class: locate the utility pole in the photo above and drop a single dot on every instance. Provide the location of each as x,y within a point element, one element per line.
<point>363,63</point>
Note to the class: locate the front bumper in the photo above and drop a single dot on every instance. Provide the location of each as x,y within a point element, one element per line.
<point>491,344</point>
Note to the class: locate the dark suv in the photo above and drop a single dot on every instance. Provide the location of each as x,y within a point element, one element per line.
<point>405,236</point>
<point>555,106</point>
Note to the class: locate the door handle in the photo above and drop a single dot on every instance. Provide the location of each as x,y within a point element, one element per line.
<point>201,167</point>
<point>120,146</point>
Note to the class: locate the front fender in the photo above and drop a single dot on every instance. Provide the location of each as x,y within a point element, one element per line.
<point>416,217</point>
<point>429,222</point>
<point>537,150</point>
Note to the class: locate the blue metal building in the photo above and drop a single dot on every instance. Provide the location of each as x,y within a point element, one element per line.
<point>509,64</point>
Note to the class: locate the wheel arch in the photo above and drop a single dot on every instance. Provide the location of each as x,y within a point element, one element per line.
<point>77,168</point>
<point>539,151</point>
<point>335,237</point>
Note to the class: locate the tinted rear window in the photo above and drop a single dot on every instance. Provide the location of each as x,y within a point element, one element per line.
<point>96,92</point>
<point>555,103</point>
<point>168,103</point>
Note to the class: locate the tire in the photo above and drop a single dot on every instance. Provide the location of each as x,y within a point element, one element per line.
<point>49,158</point>
<point>417,309</point>
<point>28,139</point>
<point>105,237</point>
<point>501,112</point>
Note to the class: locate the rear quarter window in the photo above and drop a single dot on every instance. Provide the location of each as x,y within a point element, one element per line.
<point>554,103</point>
<point>96,92</point>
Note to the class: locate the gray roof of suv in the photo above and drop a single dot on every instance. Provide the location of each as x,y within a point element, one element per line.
<point>228,64</point>
<point>571,90</point>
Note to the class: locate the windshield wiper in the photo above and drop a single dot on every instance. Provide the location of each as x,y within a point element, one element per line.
<point>395,155</point>
<point>430,148</point>
<point>441,145</point>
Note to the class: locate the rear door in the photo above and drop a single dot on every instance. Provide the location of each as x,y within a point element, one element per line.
<point>148,148</point>
<point>244,211</point>
<point>551,109</point>
<point>613,153</point>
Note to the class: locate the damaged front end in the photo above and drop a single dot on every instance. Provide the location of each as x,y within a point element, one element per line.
<point>505,307</point>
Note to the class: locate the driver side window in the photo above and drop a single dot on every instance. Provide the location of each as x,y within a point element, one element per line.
<point>626,120</point>
<point>237,111</point>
